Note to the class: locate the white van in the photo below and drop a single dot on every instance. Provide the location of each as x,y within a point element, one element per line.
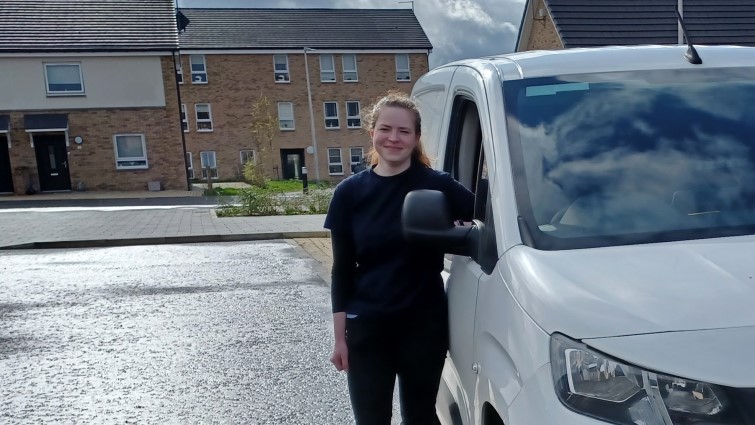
<point>609,276</point>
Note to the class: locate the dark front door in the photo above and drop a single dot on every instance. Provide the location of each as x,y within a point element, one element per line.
<point>6,176</point>
<point>293,161</point>
<point>52,162</point>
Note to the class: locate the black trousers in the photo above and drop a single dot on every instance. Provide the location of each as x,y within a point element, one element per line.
<point>411,347</point>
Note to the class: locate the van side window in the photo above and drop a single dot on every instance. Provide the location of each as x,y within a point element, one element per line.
<point>465,161</point>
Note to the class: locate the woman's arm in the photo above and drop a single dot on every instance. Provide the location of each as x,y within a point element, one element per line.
<point>342,284</point>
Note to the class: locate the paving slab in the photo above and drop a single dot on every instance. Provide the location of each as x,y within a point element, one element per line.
<point>39,228</point>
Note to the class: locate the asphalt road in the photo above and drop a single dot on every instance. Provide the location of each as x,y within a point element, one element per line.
<point>170,334</point>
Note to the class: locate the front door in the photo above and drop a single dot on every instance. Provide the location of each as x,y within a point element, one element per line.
<point>293,161</point>
<point>52,162</point>
<point>6,176</point>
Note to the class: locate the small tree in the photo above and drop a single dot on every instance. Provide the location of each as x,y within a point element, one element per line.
<point>263,129</point>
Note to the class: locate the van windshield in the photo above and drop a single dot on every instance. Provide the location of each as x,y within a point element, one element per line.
<point>638,157</point>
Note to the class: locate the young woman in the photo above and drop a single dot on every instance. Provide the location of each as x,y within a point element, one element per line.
<point>389,307</point>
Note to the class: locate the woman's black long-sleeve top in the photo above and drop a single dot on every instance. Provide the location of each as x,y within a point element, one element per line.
<point>375,271</point>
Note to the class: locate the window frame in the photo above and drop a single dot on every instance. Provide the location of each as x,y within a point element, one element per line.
<point>203,72</point>
<point>189,165</point>
<point>179,72</point>
<point>118,158</point>
<point>407,70</point>
<point>351,157</point>
<point>81,92</point>
<point>203,120</point>
<point>286,72</point>
<point>184,118</point>
<point>355,71</point>
<point>335,164</point>
<point>213,170</point>
<point>358,116</point>
<point>332,69</point>
<point>241,156</point>
<point>326,117</point>
<point>281,119</point>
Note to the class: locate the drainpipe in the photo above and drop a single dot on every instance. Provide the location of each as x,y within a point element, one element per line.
<point>679,30</point>
<point>180,121</point>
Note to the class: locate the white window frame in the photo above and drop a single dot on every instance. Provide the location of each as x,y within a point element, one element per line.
<point>348,71</point>
<point>351,157</point>
<point>213,170</point>
<point>179,73</point>
<point>119,159</point>
<point>335,164</point>
<point>203,120</point>
<point>282,117</point>
<point>189,165</point>
<point>64,92</point>
<point>332,117</point>
<point>200,72</point>
<point>184,118</point>
<point>407,70</point>
<point>247,151</point>
<point>327,72</point>
<point>358,116</point>
<point>286,74</point>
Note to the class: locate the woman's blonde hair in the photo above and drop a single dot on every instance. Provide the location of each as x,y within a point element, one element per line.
<point>397,99</point>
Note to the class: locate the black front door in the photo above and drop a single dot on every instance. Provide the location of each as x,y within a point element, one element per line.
<point>293,161</point>
<point>52,162</point>
<point>6,176</point>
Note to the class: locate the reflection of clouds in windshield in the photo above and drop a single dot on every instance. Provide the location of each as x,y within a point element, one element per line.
<point>624,154</point>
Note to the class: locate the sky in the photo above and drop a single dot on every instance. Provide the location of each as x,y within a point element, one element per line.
<point>457,29</point>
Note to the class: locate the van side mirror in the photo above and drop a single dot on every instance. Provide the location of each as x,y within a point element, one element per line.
<point>426,220</point>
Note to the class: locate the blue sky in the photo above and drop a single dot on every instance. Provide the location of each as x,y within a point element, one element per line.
<point>457,29</point>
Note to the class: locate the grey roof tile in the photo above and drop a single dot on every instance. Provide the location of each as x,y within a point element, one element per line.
<point>590,23</point>
<point>87,25</point>
<point>297,28</point>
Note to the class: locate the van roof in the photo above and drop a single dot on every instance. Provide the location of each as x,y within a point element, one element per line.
<point>545,63</point>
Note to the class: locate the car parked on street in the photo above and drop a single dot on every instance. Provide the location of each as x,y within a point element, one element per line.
<point>608,276</point>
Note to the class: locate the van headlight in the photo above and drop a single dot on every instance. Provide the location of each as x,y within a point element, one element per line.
<point>596,385</point>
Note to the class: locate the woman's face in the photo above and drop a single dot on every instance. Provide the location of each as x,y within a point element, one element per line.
<point>394,136</point>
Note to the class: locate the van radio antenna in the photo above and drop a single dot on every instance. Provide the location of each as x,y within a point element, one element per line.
<point>691,55</point>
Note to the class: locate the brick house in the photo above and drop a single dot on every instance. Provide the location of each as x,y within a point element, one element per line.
<point>88,96</point>
<point>558,24</point>
<point>232,57</point>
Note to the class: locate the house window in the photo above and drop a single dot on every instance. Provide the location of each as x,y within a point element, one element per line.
<point>198,69</point>
<point>331,115</point>
<point>179,73</point>
<point>350,68</point>
<point>189,165</point>
<point>335,163</point>
<point>281,68</point>
<point>64,78</point>
<point>402,68</point>
<point>327,69</point>
<point>353,120</point>
<point>247,155</point>
<point>204,116</point>
<point>207,159</point>
<point>356,155</point>
<point>286,115</point>
<point>184,119</point>
<point>130,151</point>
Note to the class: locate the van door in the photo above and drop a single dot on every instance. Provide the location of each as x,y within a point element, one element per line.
<point>462,162</point>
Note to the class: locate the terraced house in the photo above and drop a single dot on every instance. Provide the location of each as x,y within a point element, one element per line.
<point>318,68</point>
<point>88,96</point>
<point>558,24</point>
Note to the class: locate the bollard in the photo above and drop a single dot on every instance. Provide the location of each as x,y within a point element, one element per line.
<point>304,179</point>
